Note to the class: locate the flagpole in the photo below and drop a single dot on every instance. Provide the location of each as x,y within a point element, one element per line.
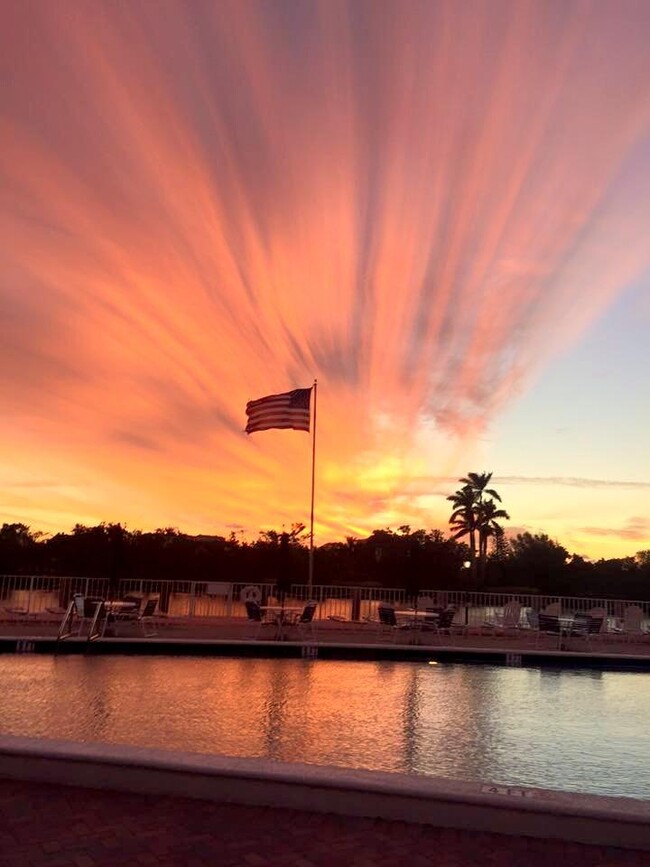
<point>313,478</point>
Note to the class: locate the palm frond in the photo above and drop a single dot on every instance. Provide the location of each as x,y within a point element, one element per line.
<point>460,533</point>
<point>490,492</point>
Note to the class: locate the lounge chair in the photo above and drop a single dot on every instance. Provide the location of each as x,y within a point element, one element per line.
<point>21,606</point>
<point>632,627</point>
<point>16,611</point>
<point>508,621</point>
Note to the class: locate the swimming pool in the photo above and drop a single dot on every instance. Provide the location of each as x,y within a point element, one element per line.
<point>581,731</point>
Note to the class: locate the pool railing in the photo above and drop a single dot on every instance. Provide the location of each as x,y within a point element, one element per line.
<point>35,594</point>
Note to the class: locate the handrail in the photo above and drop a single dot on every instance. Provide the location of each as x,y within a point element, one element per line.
<point>94,632</point>
<point>96,628</point>
<point>193,599</point>
<point>65,630</point>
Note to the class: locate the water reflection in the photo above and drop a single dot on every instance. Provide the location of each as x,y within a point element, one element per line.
<point>585,731</point>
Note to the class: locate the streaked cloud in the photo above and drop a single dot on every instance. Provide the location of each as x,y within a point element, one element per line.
<point>634,529</point>
<point>572,482</point>
<point>206,203</point>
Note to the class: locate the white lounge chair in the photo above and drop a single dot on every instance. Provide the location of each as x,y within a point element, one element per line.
<point>508,621</point>
<point>632,627</point>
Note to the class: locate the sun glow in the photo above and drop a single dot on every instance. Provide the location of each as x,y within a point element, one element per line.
<point>203,205</point>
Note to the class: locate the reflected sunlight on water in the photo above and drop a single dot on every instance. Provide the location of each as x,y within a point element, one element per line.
<point>572,730</point>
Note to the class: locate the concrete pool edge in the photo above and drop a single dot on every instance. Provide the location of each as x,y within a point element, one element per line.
<point>442,802</point>
<point>519,657</point>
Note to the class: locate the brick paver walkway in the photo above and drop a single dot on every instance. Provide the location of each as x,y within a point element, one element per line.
<point>57,826</point>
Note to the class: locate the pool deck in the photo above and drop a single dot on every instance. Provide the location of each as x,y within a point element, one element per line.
<point>333,640</point>
<point>45,825</point>
<point>65,803</point>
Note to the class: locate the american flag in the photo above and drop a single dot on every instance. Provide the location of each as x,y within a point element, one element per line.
<point>287,410</point>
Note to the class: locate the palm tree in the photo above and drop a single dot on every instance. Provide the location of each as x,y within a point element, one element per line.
<point>475,515</point>
<point>478,484</point>
<point>487,516</point>
<point>463,519</point>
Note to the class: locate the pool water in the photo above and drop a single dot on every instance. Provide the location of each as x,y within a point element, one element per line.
<point>583,731</point>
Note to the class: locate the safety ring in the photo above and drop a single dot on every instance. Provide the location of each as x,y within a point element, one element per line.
<point>250,594</point>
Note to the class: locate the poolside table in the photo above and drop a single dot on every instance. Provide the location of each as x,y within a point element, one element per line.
<point>119,606</point>
<point>114,608</point>
<point>564,627</point>
<point>417,618</point>
<point>284,616</point>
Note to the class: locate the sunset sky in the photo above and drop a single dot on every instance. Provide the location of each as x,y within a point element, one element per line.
<point>440,210</point>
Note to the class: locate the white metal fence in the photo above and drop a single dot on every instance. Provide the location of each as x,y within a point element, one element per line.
<point>33,594</point>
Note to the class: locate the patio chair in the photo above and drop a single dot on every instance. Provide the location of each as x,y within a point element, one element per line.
<point>85,609</point>
<point>460,621</point>
<point>146,618</point>
<point>532,622</point>
<point>305,621</point>
<point>143,617</point>
<point>602,613</point>
<point>127,614</point>
<point>387,624</point>
<point>256,618</point>
<point>549,624</point>
<point>584,626</point>
<point>134,599</point>
<point>444,623</point>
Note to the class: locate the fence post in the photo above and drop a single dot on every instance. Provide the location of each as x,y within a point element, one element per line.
<point>356,605</point>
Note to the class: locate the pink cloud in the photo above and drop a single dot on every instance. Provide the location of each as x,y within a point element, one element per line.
<point>203,205</point>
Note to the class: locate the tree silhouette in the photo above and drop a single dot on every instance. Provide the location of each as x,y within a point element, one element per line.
<point>407,558</point>
<point>475,515</point>
<point>463,520</point>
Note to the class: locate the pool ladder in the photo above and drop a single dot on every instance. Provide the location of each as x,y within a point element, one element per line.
<point>90,612</point>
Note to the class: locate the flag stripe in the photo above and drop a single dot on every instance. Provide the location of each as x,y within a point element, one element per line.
<point>289,410</point>
<point>278,417</point>
<point>302,420</point>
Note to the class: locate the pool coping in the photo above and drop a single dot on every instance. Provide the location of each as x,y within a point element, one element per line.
<point>438,801</point>
<point>499,655</point>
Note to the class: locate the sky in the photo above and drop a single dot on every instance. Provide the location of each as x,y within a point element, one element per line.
<point>438,210</point>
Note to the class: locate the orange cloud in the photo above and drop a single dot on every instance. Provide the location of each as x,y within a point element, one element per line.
<point>205,205</point>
